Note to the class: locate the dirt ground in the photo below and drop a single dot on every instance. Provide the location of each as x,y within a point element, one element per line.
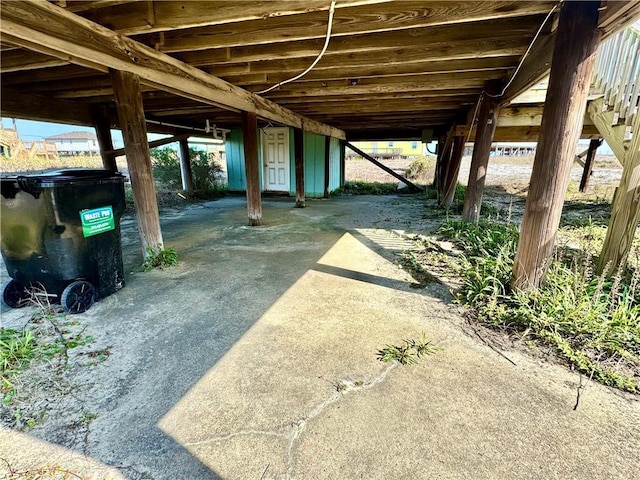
<point>510,173</point>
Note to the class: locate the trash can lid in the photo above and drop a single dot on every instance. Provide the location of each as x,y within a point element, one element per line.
<point>35,182</point>
<point>69,174</point>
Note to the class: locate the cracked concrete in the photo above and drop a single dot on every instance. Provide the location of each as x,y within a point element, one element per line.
<point>256,358</point>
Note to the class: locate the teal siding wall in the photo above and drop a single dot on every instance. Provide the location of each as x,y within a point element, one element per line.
<point>237,178</point>
<point>313,168</point>
<point>235,161</point>
<point>334,164</point>
<point>292,164</point>
<point>313,165</point>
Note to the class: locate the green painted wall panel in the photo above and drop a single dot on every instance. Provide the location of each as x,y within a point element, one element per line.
<point>313,165</point>
<point>236,175</point>
<point>235,161</point>
<point>334,164</point>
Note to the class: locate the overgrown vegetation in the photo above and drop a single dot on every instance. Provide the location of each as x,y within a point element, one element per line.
<point>207,172</point>
<point>409,351</point>
<point>160,257</point>
<point>419,168</point>
<point>33,360</point>
<point>592,322</point>
<point>24,164</point>
<point>358,187</point>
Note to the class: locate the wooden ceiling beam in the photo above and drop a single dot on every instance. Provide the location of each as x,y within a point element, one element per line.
<point>48,29</point>
<point>349,21</point>
<point>19,60</point>
<point>40,108</point>
<point>401,58</point>
<point>47,75</point>
<point>616,15</point>
<point>382,109</point>
<point>443,83</point>
<point>433,40</point>
<point>378,70</point>
<point>81,6</point>
<point>408,96</point>
<point>436,80</point>
<point>146,17</point>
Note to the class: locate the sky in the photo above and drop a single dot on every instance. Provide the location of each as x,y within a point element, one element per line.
<point>29,131</point>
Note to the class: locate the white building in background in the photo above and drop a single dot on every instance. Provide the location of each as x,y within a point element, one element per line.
<point>75,143</point>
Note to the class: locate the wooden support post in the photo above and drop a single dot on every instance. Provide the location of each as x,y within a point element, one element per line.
<point>487,120</point>
<point>327,159</point>
<point>625,209</point>
<point>126,88</point>
<point>102,125</point>
<point>573,61</point>
<point>451,170</point>
<point>343,149</point>
<point>251,167</point>
<point>443,154</point>
<point>298,152</point>
<point>185,167</point>
<point>588,164</point>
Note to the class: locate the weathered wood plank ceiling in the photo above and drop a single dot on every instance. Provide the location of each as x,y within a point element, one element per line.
<point>392,68</point>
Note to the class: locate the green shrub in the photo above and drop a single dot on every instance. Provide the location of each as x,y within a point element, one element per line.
<point>206,171</point>
<point>419,168</point>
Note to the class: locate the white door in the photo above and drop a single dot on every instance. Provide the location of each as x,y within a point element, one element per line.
<point>276,159</point>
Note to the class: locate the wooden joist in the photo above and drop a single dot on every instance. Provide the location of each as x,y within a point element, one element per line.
<point>348,21</point>
<point>406,60</point>
<point>395,44</point>
<point>51,30</point>
<point>37,107</point>
<point>392,17</point>
<point>20,60</point>
<point>142,17</point>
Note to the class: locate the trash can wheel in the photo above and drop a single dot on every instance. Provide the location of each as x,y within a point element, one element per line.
<point>78,297</point>
<point>14,294</point>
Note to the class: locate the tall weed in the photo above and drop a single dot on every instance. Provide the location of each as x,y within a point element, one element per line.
<point>592,322</point>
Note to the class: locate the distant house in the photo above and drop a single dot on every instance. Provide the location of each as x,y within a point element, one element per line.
<point>75,143</point>
<point>390,149</point>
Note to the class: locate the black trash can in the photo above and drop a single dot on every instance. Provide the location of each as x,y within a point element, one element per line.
<point>60,231</point>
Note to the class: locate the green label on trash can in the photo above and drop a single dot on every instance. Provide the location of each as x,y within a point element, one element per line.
<point>97,220</point>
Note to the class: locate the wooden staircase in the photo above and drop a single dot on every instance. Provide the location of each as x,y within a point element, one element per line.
<point>615,115</point>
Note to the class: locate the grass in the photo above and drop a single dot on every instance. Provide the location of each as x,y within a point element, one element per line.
<point>591,322</point>
<point>46,341</point>
<point>160,257</point>
<point>17,349</point>
<point>409,351</point>
<point>358,187</point>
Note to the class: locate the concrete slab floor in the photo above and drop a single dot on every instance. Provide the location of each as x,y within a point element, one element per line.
<point>255,358</point>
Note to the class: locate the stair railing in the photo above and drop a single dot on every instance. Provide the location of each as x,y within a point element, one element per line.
<point>617,73</point>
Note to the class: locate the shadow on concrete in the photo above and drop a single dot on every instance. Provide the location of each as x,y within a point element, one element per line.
<point>169,328</point>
